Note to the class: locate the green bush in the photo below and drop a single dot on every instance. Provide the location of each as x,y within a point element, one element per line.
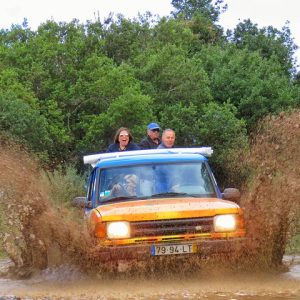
<point>221,129</point>
<point>65,184</point>
<point>293,245</point>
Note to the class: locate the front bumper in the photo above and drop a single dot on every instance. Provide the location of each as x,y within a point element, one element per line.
<point>205,248</point>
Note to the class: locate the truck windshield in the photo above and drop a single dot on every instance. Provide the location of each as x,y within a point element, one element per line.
<point>156,180</point>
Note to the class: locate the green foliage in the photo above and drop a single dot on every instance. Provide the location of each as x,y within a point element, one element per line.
<point>9,84</point>
<point>205,31</point>
<point>100,82</point>
<point>132,110</point>
<point>189,7</point>
<point>184,119</point>
<point>293,245</point>
<point>172,32</point>
<point>67,87</point>
<point>125,39</point>
<point>249,81</point>
<point>222,130</point>
<point>172,77</point>
<point>268,41</point>
<point>23,122</point>
<point>65,184</point>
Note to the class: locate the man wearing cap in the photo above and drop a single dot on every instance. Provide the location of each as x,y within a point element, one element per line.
<point>152,140</point>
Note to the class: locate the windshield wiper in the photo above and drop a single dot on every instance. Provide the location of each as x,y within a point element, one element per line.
<point>172,194</point>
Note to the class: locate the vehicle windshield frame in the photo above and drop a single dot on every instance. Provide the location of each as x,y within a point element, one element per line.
<point>159,174</point>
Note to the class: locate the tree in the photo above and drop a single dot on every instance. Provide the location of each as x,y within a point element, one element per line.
<point>170,77</point>
<point>24,123</point>
<point>256,86</point>
<point>222,130</point>
<point>124,39</point>
<point>22,117</point>
<point>269,41</point>
<point>205,31</point>
<point>206,7</point>
<point>132,110</point>
<point>173,32</point>
<point>99,82</point>
<point>184,119</point>
<point>82,82</point>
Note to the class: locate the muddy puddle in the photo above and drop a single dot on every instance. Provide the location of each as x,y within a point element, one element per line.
<point>65,282</point>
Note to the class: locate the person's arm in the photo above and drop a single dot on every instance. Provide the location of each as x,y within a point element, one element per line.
<point>117,190</point>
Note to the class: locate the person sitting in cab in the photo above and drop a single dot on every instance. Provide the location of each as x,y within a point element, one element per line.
<point>126,188</point>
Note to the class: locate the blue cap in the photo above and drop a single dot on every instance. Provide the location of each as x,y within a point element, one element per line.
<point>152,126</point>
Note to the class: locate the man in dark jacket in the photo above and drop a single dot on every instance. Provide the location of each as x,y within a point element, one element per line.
<point>152,140</point>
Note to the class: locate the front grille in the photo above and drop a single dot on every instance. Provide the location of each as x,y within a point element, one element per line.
<point>171,227</point>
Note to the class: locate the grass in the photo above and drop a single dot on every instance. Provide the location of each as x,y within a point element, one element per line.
<point>2,230</point>
<point>294,246</point>
<point>65,185</point>
<point>2,253</point>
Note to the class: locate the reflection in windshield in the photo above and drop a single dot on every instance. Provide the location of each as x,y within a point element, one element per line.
<point>146,181</point>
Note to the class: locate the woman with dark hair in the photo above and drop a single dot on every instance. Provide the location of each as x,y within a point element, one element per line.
<point>123,141</point>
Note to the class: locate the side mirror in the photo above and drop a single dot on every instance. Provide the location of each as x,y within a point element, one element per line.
<point>81,202</point>
<point>232,194</point>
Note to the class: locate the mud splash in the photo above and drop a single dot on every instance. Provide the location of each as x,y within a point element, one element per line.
<point>271,197</point>
<point>35,234</point>
<point>38,236</point>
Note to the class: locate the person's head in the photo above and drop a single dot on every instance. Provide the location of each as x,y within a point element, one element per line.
<point>168,138</point>
<point>131,181</point>
<point>123,136</point>
<point>153,130</point>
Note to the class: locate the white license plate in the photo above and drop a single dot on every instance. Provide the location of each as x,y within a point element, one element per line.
<point>173,249</point>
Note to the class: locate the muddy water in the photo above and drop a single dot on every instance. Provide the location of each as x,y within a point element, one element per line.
<point>65,282</point>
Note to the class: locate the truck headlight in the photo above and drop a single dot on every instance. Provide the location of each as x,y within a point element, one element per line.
<point>223,223</point>
<point>118,230</point>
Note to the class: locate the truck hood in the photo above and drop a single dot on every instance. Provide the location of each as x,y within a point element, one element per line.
<point>166,208</point>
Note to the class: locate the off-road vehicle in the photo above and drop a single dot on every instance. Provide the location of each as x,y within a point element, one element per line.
<point>165,202</point>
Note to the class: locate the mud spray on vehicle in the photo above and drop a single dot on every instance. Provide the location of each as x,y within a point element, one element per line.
<point>37,234</point>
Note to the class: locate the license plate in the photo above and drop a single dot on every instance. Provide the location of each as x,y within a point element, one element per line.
<point>173,249</point>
